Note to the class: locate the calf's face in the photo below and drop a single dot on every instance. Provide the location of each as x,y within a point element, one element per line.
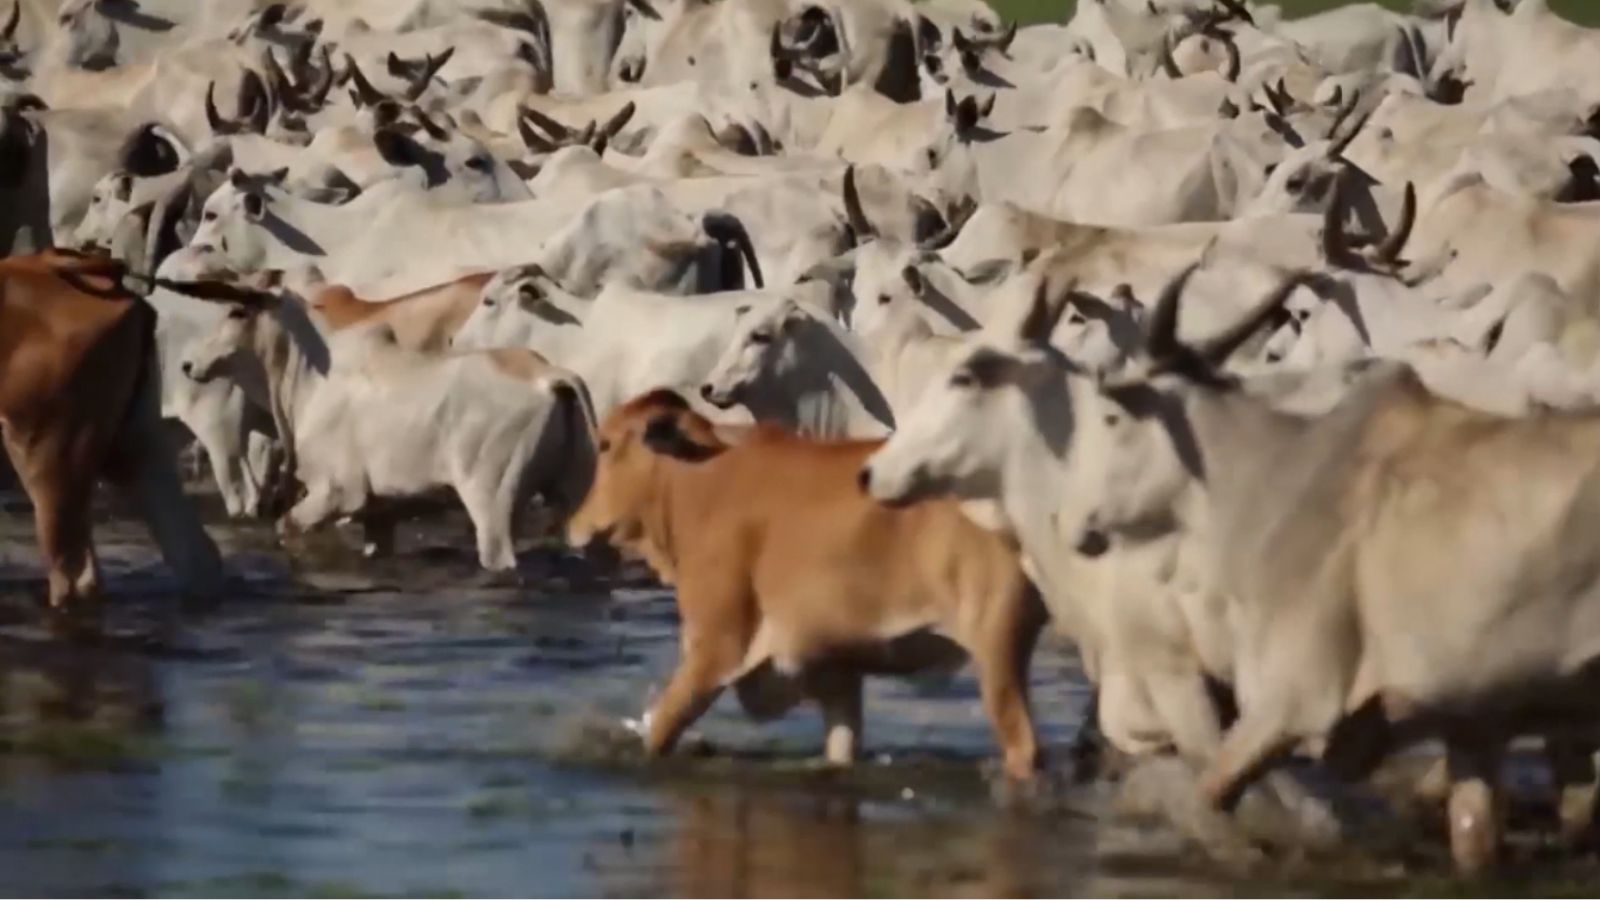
<point>213,356</point>
<point>634,442</point>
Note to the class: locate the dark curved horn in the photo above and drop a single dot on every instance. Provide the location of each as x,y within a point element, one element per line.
<point>1231,48</point>
<point>737,138</point>
<point>277,80</point>
<point>214,118</point>
<point>1278,97</point>
<point>1003,43</point>
<point>316,96</point>
<point>259,115</point>
<point>533,139</point>
<point>9,30</point>
<point>425,78</point>
<point>1236,9</point>
<point>726,228</point>
<point>1216,350</point>
<point>1169,63</point>
<point>365,93</point>
<point>430,126</point>
<point>619,121</point>
<point>645,9</point>
<point>1389,250</point>
<point>551,127</point>
<point>854,214</point>
<point>1342,142</point>
<point>1335,243</point>
<point>1161,342</point>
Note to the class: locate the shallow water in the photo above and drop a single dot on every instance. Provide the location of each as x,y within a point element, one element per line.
<point>407,727</point>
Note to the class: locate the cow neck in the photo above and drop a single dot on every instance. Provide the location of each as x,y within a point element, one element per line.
<point>296,357</point>
<point>835,393</point>
<point>659,545</point>
<point>1035,486</point>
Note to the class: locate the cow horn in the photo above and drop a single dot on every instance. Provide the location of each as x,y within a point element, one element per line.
<point>1216,350</point>
<point>425,78</point>
<point>1235,9</point>
<point>533,139</point>
<point>962,44</point>
<point>9,30</point>
<point>766,145</point>
<point>1335,243</point>
<point>854,214</point>
<point>259,115</point>
<point>1045,311</point>
<point>1161,342</point>
<point>726,228</point>
<point>780,51</point>
<point>1231,48</point>
<point>1278,97</point>
<point>619,121</point>
<point>213,117</point>
<point>1389,251</point>
<point>586,136</point>
<point>1342,142</point>
<point>555,129</point>
<point>365,93</point>
<point>1169,63</point>
<point>1003,43</point>
<point>316,96</point>
<point>277,80</point>
<point>430,126</point>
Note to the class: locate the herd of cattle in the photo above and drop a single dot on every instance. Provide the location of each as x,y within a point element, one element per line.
<point>1257,356</point>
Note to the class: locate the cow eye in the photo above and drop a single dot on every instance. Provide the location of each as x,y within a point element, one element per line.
<point>883,299</point>
<point>238,312</point>
<point>1112,419</point>
<point>478,163</point>
<point>1077,318</point>
<point>605,446</point>
<point>761,337</point>
<point>209,217</point>
<point>962,380</point>
<point>488,302</point>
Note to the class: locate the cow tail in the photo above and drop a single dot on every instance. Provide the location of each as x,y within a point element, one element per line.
<point>580,429</point>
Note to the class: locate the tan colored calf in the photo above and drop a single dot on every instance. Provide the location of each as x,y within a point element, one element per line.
<point>780,559</point>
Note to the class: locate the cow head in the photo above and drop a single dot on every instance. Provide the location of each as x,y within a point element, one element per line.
<point>634,442</point>
<point>1004,388</point>
<point>765,345</point>
<point>89,32</point>
<point>219,353</point>
<point>109,202</point>
<point>444,158</point>
<point>1150,452</point>
<point>515,305</point>
<point>236,221</point>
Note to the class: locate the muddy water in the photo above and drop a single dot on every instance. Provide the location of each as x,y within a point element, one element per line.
<point>408,727</point>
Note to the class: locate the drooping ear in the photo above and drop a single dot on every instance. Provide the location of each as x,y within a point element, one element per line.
<point>255,206</point>
<point>396,149</point>
<point>914,280</point>
<point>664,435</point>
<point>238,179</point>
<point>278,176</point>
<point>122,186</point>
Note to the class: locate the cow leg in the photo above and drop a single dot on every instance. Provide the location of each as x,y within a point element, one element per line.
<point>143,467</point>
<point>1473,807</point>
<point>709,660</point>
<point>838,691</point>
<point>213,418</point>
<point>60,517</point>
<point>1001,654</point>
<point>490,508</point>
<point>1249,746</point>
<point>1572,768</point>
<point>377,533</point>
<point>318,506</point>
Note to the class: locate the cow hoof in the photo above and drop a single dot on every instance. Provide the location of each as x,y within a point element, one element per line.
<point>1474,833</point>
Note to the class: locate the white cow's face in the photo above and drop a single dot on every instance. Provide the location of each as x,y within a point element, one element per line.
<point>236,222</point>
<point>86,35</point>
<point>514,307</point>
<point>960,436</point>
<point>111,200</point>
<point>216,355</point>
<point>1140,444</point>
<point>762,347</point>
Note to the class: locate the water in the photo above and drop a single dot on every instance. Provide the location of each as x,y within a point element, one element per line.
<point>410,727</point>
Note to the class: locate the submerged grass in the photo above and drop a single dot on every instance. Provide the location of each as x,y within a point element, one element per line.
<point>1586,12</point>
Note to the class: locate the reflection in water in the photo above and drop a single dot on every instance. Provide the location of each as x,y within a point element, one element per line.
<point>405,727</point>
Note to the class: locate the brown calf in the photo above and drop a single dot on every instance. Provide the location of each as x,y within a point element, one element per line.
<point>77,402</point>
<point>783,566</point>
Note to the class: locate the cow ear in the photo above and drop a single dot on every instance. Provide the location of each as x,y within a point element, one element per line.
<point>279,176</point>
<point>913,279</point>
<point>395,148</point>
<point>1044,312</point>
<point>529,295</point>
<point>665,436</point>
<point>255,206</point>
<point>122,186</point>
<point>238,179</point>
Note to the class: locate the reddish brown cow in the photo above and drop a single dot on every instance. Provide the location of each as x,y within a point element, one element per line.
<point>786,573</point>
<point>78,401</point>
<point>424,320</point>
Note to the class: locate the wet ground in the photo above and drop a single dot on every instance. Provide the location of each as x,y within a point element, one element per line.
<point>339,727</point>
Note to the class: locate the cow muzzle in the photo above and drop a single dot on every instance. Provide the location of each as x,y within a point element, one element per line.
<point>719,399</point>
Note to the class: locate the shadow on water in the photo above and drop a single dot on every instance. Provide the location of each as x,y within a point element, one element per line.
<point>345,728</point>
